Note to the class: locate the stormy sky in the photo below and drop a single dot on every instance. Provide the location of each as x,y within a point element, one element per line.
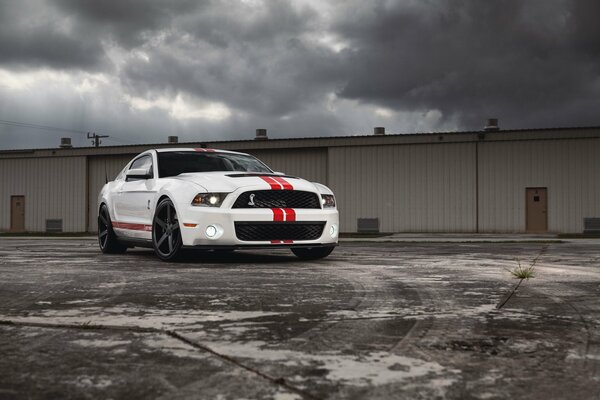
<point>141,70</point>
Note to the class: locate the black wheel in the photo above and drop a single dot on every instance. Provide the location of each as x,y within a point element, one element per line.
<point>107,239</point>
<point>312,253</point>
<point>166,235</point>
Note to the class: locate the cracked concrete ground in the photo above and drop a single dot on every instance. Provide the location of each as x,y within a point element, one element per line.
<point>374,320</point>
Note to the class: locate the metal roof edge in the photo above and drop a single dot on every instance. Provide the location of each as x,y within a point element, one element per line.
<point>265,144</point>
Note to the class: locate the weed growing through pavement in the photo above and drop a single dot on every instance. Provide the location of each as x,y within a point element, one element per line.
<point>522,272</point>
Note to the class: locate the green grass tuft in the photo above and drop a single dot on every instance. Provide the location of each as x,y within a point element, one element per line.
<point>523,272</point>
<point>526,272</point>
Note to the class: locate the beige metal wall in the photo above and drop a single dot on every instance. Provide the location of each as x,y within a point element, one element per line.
<point>54,188</point>
<point>570,169</point>
<point>98,169</point>
<point>310,163</point>
<point>410,188</point>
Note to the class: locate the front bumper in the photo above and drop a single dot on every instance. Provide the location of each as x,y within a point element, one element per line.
<point>194,222</point>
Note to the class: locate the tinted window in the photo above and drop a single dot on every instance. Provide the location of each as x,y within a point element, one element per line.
<point>174,163</point>
<point>142,162</point>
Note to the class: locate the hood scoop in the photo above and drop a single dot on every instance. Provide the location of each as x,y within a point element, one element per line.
<point>251,174</point>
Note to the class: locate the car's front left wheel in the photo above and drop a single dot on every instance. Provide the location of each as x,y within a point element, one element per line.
<point>166,234</point>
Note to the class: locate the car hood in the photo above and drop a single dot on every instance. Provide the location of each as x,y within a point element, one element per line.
<point>229,181</point>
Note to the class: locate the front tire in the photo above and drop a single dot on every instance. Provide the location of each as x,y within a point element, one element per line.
<point>107,239</point>
<point>166,234</point>
<point>312,253</point>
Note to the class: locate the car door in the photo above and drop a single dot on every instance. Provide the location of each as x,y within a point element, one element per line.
<point>134,200</point>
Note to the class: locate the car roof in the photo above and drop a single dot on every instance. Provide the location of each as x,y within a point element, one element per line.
<point>200,150</point>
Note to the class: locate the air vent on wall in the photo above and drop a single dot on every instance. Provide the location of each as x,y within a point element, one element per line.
<point>54,225</point>
<point>591,225</point>
<point>368,225</point>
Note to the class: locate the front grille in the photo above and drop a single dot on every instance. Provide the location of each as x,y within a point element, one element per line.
<point>261,231</point>
<point>277,199</point>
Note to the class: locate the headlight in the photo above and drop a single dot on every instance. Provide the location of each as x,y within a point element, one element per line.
<point>328,200</point>
<point>209,199</point>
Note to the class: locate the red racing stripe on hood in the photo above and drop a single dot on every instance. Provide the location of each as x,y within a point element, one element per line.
<point>274,184</point>
<point>284,184</point>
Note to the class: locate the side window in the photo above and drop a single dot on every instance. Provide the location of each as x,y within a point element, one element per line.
<point>144,162</point>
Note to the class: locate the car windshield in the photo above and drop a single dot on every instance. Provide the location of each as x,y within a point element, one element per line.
<point>173,163</point>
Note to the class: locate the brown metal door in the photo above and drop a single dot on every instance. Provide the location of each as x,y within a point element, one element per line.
<point>537,209</point>
<point>17,213</point>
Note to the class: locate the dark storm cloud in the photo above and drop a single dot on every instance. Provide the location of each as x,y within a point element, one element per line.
<point>303,67</point>
<point>32,35</point>
<point>255,61</point>
<point>527,62</point>
<point>127,21</point>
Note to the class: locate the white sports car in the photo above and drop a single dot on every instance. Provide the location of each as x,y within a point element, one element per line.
<point>171,199</point>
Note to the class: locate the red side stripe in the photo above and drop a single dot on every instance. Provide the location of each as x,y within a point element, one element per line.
<point>287,241</point>
<point>274,184</point>
<point>132,227</point>
<point>278,214</point>
<point>285,184</point>
<point>282,241</point>
<point>275,241</point>
<point>290,214</point>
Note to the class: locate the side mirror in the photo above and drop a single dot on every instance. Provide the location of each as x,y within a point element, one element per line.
<point>279,173</point>
<point>139,173</point>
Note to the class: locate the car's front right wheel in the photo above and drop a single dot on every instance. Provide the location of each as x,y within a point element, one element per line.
<point>166,234</point>
<point>312,253</point>
<point>107,239</point>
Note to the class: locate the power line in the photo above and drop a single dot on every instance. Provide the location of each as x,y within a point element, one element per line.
<point>42,127</point>
<point>54,128</point>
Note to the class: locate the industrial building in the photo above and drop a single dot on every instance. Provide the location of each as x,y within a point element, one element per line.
<point>537,180</point>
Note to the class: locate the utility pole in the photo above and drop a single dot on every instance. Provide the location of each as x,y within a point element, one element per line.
<point>96,138</point>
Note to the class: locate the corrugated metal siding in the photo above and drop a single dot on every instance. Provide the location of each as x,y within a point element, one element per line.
<point>98,168</point>
<point>310,164</point>
<point>568,168</point>
<point>410,188</point>
<point>54,188</point>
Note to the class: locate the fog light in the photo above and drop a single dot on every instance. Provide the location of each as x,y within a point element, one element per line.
<point>333,230</point>
<point>211,231</point>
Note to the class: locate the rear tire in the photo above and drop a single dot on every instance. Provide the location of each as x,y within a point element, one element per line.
<point>312,253</point>
<point>107,239</point>
<point>166,234</point>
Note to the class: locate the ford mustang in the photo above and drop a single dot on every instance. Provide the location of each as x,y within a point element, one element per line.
<point>172,199</point>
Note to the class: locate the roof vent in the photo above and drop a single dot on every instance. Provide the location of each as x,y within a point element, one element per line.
<point>65,143</point>
<point>173,139</point>
<point>492,125</point>
<point>261,134</point>
<point>378,131</point>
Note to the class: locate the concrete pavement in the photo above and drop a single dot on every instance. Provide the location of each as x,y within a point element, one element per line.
<point>374,320</point>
